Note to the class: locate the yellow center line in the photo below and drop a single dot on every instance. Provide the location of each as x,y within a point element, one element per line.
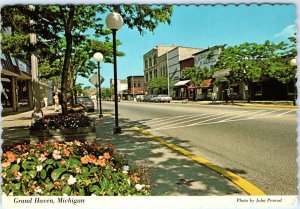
<point>239,181</point>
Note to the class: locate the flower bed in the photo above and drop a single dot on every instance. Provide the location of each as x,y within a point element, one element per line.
<point>59,127</point>
<point>70,168</point>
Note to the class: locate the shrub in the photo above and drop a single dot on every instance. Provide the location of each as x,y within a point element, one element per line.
<point>60,121</point>
<point>69,168</point>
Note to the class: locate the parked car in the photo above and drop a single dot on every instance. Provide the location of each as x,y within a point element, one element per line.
<point>86,101</point>
<point>149,98</point>
<point>140,98</point>
<point>162,98</point>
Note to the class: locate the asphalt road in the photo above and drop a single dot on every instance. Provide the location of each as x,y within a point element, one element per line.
<point>259,144</point>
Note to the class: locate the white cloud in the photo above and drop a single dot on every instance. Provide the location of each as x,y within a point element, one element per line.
<point>287,31</point>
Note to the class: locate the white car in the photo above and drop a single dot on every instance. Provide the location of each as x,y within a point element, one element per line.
<point>162,98</point>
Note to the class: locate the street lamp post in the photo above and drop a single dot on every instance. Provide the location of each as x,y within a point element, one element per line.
<point>114,21</point>
<point>98,57</point>
<point>293,63</point>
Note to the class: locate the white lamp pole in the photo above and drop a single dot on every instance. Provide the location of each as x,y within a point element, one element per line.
<point>114,21</point>
<point>98,57</point>
<point>293,63</point>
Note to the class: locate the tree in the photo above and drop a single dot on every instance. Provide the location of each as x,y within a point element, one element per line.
<point>159,84</point>
<point>250,61</point>
<point>196,74</point>
<point>69,24</point>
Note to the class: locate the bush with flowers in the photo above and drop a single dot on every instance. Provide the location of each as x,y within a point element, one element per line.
<point>70,168</point>
<point>74,120</point>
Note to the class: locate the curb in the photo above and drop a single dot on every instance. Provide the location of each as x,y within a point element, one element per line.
<point>237,180</point>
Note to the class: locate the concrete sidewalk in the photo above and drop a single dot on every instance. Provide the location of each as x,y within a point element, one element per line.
<point>171,172</point>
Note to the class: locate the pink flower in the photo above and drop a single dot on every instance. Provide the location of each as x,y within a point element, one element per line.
<point>56,154</point>
<point>17,175</point>
<point>42,158</point>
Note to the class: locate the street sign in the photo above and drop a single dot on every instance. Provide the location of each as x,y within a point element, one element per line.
<point>94,80</point>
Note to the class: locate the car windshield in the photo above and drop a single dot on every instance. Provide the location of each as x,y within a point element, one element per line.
<point>83,99</point>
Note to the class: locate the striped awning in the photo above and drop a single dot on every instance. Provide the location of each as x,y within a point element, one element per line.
<point>181,83</point>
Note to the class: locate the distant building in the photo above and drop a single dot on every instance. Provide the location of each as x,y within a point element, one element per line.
<point>163,61</point>
<point>135,86</point>
<point>122,88</point>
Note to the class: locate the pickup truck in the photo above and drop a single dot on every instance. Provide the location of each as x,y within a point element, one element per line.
<point>162,98</point>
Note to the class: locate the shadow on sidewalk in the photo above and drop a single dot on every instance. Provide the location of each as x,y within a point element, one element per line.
<point>172,173</point>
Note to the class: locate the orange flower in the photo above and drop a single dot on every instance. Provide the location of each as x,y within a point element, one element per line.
<point>134,178</point>
<point>57,184</point>
<point>85,159</point>
<point>101,162</point>
<point>96,176</point>
<point>106,155</point>
<point>62,162</point>
<point>11,157</point>
<point>78,170</point>
<point>92,159</point>
<point>66,152</point>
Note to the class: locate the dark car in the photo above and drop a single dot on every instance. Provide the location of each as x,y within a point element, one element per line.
<point>149,98</point>
<point>87,102</point>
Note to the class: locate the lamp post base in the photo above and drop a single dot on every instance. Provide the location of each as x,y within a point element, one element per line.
<point>100,116</point>
<point>117,130</point>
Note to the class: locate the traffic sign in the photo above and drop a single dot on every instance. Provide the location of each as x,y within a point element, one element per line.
<point>94,79</point>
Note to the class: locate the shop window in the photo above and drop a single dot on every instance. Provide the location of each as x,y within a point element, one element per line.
<point>258,89</point>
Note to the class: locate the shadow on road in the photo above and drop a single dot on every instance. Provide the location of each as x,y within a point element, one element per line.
<point>172,173</point>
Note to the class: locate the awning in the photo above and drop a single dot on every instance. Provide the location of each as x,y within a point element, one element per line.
<point>181,83</point>
<point>5,79</point>
<point>206,83</point>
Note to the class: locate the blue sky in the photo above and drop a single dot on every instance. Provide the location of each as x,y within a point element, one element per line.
<point>203,26</point>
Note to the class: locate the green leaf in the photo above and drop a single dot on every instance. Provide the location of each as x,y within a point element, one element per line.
<point>57,172</point>
<point>81,192</point>
<point>32,173</point>
<point>85,171</point>
<point>93,170</point>
<point>49,161</point>
<point>104,184</point>
<point>66,190</point>
<point>94,188</point>
<point>15,167</point>
<point>43,174</point>
<point>17,186</point>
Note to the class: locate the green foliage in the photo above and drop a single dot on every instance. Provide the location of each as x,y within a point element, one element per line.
<point>70,168</point>
<point>249,61</point>
<point>159,84</point>
<point>196,74</point>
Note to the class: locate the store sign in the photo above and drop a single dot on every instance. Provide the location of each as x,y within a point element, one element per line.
<point>22,66</point>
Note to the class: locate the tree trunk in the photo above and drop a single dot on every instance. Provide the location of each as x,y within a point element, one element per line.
<point>72,89</point>
<point>249,92</point>
<point>64,78</point>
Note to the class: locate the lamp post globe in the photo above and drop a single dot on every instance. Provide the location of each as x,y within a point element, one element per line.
<point>114,21</point>
<point>98,57</point>
<point>293,63</point>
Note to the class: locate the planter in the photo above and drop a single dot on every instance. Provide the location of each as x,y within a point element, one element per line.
<point>64,134</point>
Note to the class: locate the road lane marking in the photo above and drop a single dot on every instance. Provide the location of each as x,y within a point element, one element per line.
<point>172,121</point>
<point>285,113</point>
<point>238,116</point>
<point>186,121</point>
<point>193,124</point>
<point>263,114</point>
<point>155,120</point>
<point>245,185</point>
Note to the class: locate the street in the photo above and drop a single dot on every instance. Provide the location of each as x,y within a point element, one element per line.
<point>258,144</point>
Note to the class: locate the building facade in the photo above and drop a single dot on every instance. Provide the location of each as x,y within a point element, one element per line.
<point>135,86</point>
<point>154,65</point>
